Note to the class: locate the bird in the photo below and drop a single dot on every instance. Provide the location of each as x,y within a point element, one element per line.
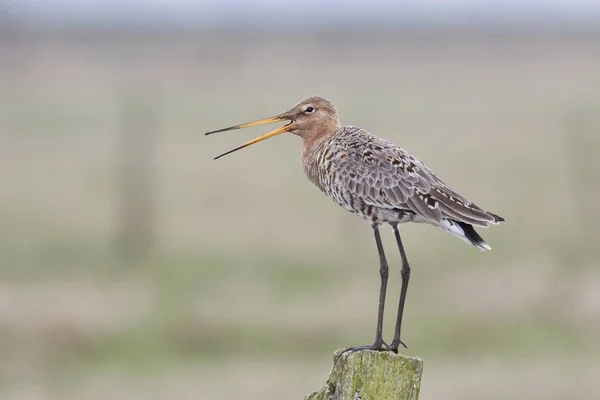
<point>378,181</point>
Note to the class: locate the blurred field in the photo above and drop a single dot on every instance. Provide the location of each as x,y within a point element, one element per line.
<point>255,278</point>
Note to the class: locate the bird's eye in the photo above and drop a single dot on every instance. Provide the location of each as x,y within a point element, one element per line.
<point>309,110</point>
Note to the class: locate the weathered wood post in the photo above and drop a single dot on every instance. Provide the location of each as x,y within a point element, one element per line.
<point>372,375</point>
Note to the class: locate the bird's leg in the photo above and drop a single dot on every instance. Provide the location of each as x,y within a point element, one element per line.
<point>383,272</point>
<point>405,277</point>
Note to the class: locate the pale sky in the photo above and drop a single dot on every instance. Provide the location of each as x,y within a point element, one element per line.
<point>209,11</point>
<point>333,3</point>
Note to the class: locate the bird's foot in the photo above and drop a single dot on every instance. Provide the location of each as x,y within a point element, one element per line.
<point>374,347</point>
<point>395,344</point>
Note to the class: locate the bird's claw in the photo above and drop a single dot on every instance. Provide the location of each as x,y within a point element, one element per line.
<point>383,346</point>
<point>395,344</point>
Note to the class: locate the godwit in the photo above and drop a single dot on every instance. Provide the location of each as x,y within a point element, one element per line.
<point>378,181</point>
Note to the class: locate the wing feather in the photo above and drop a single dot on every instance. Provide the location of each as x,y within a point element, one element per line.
<point>386,176</point>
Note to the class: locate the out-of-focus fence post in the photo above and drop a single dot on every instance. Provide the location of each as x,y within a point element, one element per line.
<point>583,151</point>
<point>136,223</point>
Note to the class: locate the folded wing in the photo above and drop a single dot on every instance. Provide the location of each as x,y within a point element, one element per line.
<point>386,176</point>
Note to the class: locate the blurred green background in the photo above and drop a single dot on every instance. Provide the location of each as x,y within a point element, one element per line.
<point>135,267</point>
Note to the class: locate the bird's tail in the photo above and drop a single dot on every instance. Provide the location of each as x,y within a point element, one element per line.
<point>466,232</point>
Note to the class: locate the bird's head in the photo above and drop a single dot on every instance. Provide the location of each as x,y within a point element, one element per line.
<point>309,119</point>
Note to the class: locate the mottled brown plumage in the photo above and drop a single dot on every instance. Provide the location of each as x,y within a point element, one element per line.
<point>378,181</point>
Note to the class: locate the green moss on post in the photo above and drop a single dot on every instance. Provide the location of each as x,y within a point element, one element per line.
<point>372,375</point>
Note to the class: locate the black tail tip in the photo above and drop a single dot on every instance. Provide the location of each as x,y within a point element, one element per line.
<point>473,237</point>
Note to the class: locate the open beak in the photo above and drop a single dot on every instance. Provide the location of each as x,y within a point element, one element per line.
<point>283,129</point>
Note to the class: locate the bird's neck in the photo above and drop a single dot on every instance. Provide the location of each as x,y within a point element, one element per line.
<point>312,142</point>
<point>315,158</point>
<point>313,138</point>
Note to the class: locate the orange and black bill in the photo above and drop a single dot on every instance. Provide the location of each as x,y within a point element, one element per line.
<point>283,129</point>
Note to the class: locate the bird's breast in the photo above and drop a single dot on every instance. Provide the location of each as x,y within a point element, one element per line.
<point>323,167</point>
<point>317,168</point>
<point>321,170</point>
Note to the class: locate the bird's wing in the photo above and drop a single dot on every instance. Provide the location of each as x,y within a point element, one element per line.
<point>386,176</point>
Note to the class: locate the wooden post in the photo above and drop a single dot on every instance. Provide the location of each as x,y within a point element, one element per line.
<point>372,375</point>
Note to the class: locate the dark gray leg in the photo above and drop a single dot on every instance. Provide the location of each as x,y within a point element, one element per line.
<point>405,277</point>
<point>383,272</point>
